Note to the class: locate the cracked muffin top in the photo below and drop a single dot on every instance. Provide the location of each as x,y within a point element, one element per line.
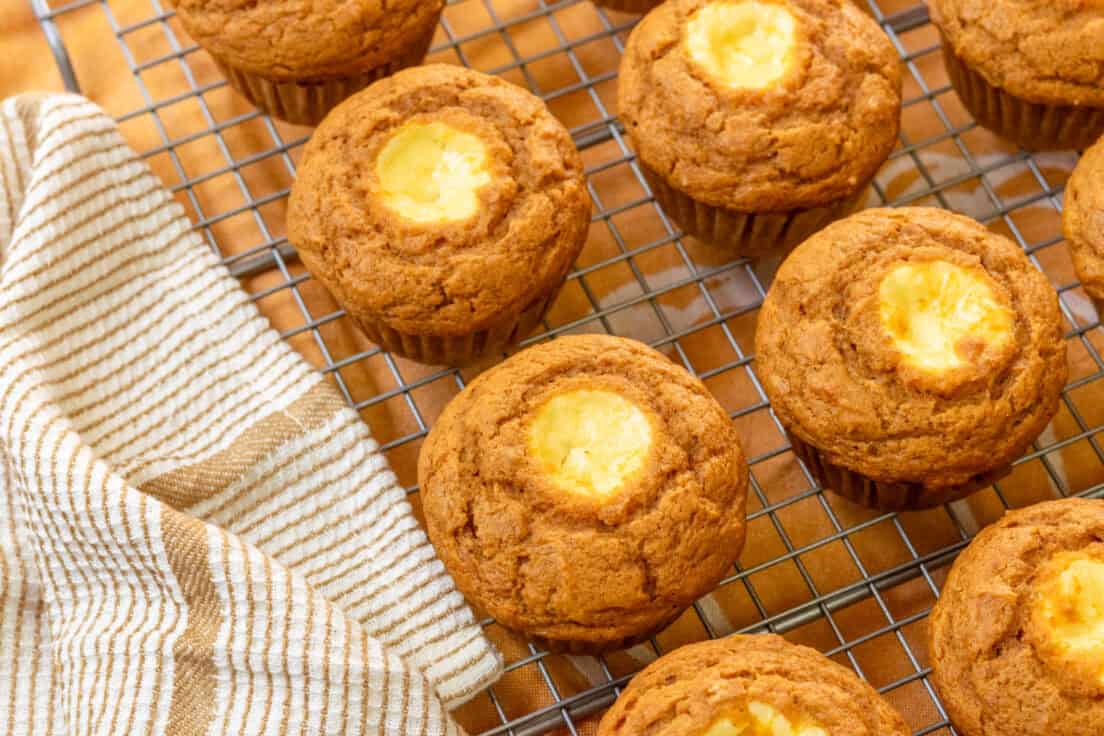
<point>585,491</point>
<point>912,345</point>
<point>761,105</point>
<point>1083,220</point>
<point>749,686</point>
<point>438,200</point>
<point>306,39</point>
<point>1044,51</point>
<point>1017,636</point>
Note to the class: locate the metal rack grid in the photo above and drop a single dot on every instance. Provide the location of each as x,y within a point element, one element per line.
<point>632,280</point>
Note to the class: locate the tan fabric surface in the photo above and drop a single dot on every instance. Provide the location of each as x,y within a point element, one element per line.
<point>199,536</point>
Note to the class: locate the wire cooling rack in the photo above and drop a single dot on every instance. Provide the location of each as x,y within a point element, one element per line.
<point>857,584</point>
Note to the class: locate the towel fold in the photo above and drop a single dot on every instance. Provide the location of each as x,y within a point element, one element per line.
<point>197,535</point>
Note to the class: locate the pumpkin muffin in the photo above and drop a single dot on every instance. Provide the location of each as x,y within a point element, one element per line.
<point>443,208</point>
<point>1032,71</point>
<point>749,686</point>
<point>1083,222</point>
<point>585,492</point>
<point>911,354</point>
<point>296,59</point>
<point>1017,636</point>
<point>757,122</point>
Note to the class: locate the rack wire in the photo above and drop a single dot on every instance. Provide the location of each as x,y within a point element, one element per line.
<point>855,583</point>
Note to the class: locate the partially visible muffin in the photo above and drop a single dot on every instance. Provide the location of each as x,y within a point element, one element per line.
<point>1031,71</point>
<point>749,686</point>
<point>757,122</point>
<point>585,492</point>
<point>443,208</point>
<point>296,59</point>
<point>911,354</point>
<point>1017,636</point>
<point>1083,222</point>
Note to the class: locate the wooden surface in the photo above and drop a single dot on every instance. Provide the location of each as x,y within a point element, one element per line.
<point>236,166</point>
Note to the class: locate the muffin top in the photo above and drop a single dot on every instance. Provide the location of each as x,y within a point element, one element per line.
<point>761,105</point>
<point>1017,637</point>
<point>439,200</point>
<point>912,345</point>
<point>749,686</point>
<point>306,39</point>
<point>1044,51</point>
<point>1083,219</point>
<point>586,490</point>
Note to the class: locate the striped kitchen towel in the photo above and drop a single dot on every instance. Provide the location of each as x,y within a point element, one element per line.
<point>197,536</point>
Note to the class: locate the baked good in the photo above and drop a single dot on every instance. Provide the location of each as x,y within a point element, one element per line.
<point>443,208</point>
<point>749,686</point>
<point>296,59</point>
<point>629,6</point>
<point>911,354</point>
<point>1032,71</point>
<point>1017,636</point>
<point>757,122</point>
<point>1083,222</point>
<point>585,492</point>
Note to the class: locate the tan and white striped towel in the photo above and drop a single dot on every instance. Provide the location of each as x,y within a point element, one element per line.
<point>197,536</point>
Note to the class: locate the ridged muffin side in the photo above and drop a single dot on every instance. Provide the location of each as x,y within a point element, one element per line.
<point>297,59</point>
<point>1031,71</point>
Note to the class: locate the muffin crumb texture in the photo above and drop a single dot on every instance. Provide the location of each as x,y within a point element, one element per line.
<point>757,106</point>
<point>440,202</point>
<point>585,491</point>
<point>749,686</point>
<point>306,39</point>
<point>912,346</point>
<point>1083,220</point>
<point>1043,51</point>
<point>1017,637</point>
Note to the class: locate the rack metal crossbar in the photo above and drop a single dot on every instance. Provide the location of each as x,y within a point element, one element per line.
<point>855,583</point>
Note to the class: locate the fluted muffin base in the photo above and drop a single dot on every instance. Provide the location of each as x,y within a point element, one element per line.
<point>594,648</point>
<point>883,496</point>
<point>1033,126</point>
<point>306,102</point>
<point>458,350</point>
<point>746,233</point>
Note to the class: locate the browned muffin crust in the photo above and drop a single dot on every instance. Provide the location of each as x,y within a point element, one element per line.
<point>836,382</point>
<point>306,39</point>
<point>1044,51</point>
<point>567,569</point>
<point>987,665</point>
<point>450,278</point>
<point>817,135</point>
<point>681,693</point>
<point>1083,220</point>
